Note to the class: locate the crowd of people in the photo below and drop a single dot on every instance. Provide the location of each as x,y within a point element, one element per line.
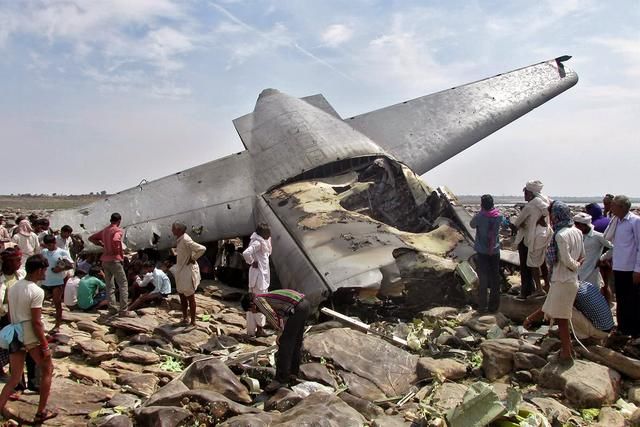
<point>589,262</point>
<point>39,264</point>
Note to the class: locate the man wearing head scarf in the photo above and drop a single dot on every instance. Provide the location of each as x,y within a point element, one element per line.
<point>5,237</point>
<point>594,244</point>
<point>565,256</point>
<point>26,240</point>
<point>535,211</point>
<point>487,223</point>
<point>599,221</point>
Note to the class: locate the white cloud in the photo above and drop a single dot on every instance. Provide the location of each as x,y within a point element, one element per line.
<point>336,35</point>
<point>628,49</point>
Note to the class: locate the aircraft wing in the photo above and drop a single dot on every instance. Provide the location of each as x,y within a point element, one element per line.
<point>215,200</point>
<point>426,131</point>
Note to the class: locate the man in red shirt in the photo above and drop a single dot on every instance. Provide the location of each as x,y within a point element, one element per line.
<point>110,238</point>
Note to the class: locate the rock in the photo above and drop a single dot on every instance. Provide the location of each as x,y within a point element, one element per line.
<point>118,367</point>
<point>95,375</point>
<point>115,420</point>
<point>143,385</point>
<point>263,419</point>
<point>215,375</point>
<point>325,326</point>
<point>364,407</point>
<point>618,361</point>
<point>448,368</point>
<point>361,387</point>
<point>497,356</point>
<point>548,345</point>
<point>517,309</point>
<point>124,400</point>
<point>60,351</point>
<point>609,417</point>
<point>78,316</point>
<point>523,377</point>
<point>144,324</point>
<point>139,354</point>
<point>323,409</point>
<point>282,400</point>
<point>173,388</point>
<point>438,313</point>
<point>448,395</point>
<point>526,361</point>
<point>481,323</point>
<point>552,409</point>
<point>390,368</point>
<point>161,416</point>
<point>191,341</point>
<point>215,343</point>
<point>95,351</point>
<point>90,326</point>
<point>318,372</point>
<point>634,420</point>
<point>145,339</point>
<point>585,384</point>
<point>390,421</point>
<point>218,405</point>
<point>633,395</point>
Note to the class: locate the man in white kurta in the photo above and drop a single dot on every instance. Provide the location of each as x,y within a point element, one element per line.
<point>594,244</point>
<point>187,272</point>
<point>257,255</point>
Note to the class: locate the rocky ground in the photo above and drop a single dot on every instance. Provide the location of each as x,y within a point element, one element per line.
<point>460,368</point>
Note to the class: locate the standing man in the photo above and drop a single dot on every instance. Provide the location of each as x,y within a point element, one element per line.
<point>287,311</point>
<point>606,202</point>
<point>59,263</point>
<point>26,240</point>
<point>565,255</point>
<point>257,256</point>
<point>5,237</point>
<point>487,223</point>
<point>594,244</point>
<point>626,265</point>
<point>63,241</point>
<point>536,207</point>
<point>25,310</point>
<point>187,270</point>
<point>110,238</point>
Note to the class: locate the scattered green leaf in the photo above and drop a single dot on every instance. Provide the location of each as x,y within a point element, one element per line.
<point>590,414</point>
<point>171,365</point>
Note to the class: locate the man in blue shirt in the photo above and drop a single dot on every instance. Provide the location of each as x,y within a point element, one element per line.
<point>487,223</point>
<point>59,263</point>
<point>591,317</point>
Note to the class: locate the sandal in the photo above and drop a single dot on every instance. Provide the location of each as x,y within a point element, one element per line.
<point>45,415</point>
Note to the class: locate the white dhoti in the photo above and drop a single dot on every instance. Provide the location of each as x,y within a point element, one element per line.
<point>253,321</point>
<point>559,302</point>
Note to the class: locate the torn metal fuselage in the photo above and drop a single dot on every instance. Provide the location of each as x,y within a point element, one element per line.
<point>371,230</point>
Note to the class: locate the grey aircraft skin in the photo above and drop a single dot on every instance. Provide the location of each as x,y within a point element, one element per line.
<point>288,140</point>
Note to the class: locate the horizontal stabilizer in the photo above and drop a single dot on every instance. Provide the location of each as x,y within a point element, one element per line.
<point>427,131</point>
<point>320,102</point>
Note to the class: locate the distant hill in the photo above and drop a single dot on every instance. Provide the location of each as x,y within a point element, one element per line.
<point>468,199</point>
<point>44,202</point>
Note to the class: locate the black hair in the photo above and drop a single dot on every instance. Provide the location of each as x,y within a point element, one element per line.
<point>35,263</point>
<point>486,201</point>
<point>245,302</point>
<point>49,238</point>
<point>148,264</point>
<point>67,229</point>
<point>43,221</point>
<point>115,217</point>
<point>95,271</point>
<point>262,227</point>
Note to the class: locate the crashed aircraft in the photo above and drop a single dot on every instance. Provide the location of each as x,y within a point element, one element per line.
<point>347,208</point>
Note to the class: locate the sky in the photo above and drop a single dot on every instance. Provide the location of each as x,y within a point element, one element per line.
<point>99,95</point>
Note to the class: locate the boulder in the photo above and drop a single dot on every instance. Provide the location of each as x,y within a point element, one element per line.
<point>161,416</point>
<point>585,384</point>
<point>448,395</point>
<point>391,369</point>
<point>438,313</point>
<point>633,395</point>
<point>218,406</point>
<point>323,409</point>
<point>318,372</point>
<point>143,324</point>
<point>282,400</point>
<point>527,361</point>
<point>263,419</point>
<point>215,375</point>
<point>364,407</point>
<point>609,417</point>
<point>447,368</point>
<point>497,356</point>
<point>118,367</point>
<point>517,309</point>
<point>95,375</point>
<point>390,421</point>
<point>124,400</point>
<point>90,326</point>
<point>143,385</point>
<point>361,387</point>
<point>173,388</point>
<point>634,420</point>
<point>115,420</point>
<point>95,351</point>
<point>618,361</point>
<point>60,351</point>
<point>552,409</point>
<point>139,354</point>
<point>482,323</point>
<point>191,341</point>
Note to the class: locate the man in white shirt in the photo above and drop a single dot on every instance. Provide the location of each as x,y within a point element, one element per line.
<point>63,240</point>
<point>161,286</point>
<point>536,208</point>
<point>257,256</point>
<point>59,263</point>
<point>594,244</point>
<point>25,307</point>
